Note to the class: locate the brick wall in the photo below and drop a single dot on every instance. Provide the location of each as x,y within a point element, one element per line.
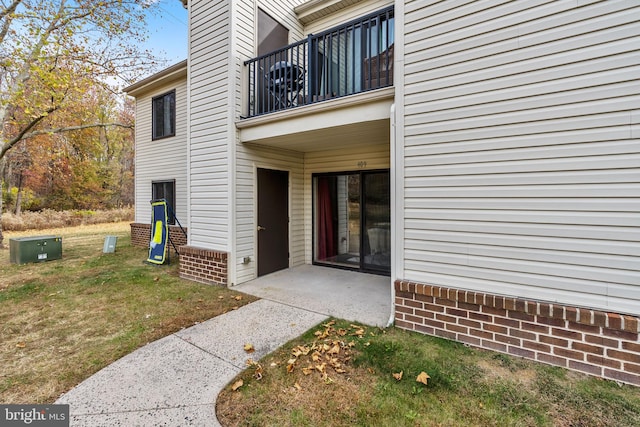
<point>590,341</point>
<point>203,265</point>
<point>141,233</point>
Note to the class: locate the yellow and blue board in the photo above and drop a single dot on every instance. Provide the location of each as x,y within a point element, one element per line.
<point>159,232</point>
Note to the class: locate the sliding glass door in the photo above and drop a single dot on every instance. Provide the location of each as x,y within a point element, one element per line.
<point>337,218</point>
<point>376,215</point>
<point>352,220</point>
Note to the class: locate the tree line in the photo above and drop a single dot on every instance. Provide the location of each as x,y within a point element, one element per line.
<point>91,168</point>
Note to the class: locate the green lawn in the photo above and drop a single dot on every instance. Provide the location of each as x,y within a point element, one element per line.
<point>63,320</point>
<point>467,387</point>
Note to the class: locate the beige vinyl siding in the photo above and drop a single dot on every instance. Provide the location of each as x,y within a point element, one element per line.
<point>248,157</point>
<point>521,151</point>
<point>345,15</point>
<point>164,159</point>
<point>209,225</point>
<point>375,156</point>
<point>251,157</point>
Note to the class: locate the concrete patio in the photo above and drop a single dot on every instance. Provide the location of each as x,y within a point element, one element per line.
<point>358,297</point>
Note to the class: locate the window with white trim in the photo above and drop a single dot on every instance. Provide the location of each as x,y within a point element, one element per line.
<point>164,115</point>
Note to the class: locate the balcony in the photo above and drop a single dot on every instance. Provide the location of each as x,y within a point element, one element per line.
<point>353,58</point>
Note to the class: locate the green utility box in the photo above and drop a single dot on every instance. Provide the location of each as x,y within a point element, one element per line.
<point>35,249</point>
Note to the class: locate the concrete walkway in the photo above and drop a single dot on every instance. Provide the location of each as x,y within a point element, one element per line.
<point>175,381</point>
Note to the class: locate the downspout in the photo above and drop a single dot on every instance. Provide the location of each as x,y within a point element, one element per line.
<point>231,147</point>
<point>396,119</point>
<point>394,204</point>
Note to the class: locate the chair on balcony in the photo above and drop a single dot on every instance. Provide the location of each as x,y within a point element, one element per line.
<point>285,82</point>
<point>378,70</point>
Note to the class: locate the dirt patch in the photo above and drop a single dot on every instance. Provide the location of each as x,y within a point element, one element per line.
<point>495,369</point>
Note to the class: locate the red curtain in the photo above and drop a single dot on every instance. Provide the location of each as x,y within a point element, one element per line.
<point>326,241</point>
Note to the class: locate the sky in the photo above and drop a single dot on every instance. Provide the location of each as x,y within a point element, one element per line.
<point>167,31</point>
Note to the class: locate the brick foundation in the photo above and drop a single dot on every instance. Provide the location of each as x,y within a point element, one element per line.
<point>590,341</point>
<point>203,265</point>
<point>141,233</point>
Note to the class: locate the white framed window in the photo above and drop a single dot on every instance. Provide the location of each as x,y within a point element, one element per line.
<point>164,115</point>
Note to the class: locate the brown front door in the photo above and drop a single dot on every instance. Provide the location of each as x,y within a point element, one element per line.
<point>273,221</point>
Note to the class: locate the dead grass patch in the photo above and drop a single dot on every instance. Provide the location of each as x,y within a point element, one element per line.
<point>496,369</point>
<point>48,218</point>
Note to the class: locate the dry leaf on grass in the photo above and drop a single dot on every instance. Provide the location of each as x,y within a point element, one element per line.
<point>398,376</point>
<point>359,331</point>
<point>423,378</point>
<point>257,374</point>
<point>335,349</point>
<point>321,334</point>
<point>326,353</point>
<point>291,365</point>
<point>21,344</point>
<point>237,385</point>
<point>300,350</point>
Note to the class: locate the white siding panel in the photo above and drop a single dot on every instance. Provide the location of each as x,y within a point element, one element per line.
<point>208,68</point>
<point>530,254</point>
<point>164,159</point>
<point>522,159</point>
<point>590,246</point>
<point>511,58</point>
<point>429,155</point>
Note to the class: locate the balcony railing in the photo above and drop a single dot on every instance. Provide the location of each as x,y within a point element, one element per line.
<point>344,60</point>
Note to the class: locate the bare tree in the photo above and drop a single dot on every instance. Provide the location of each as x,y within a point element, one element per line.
<point>51,49</point>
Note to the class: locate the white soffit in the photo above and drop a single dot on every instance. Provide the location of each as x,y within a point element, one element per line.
<point>315,9</point>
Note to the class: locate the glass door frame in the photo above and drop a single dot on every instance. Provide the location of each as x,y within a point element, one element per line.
<point>362,266</point>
